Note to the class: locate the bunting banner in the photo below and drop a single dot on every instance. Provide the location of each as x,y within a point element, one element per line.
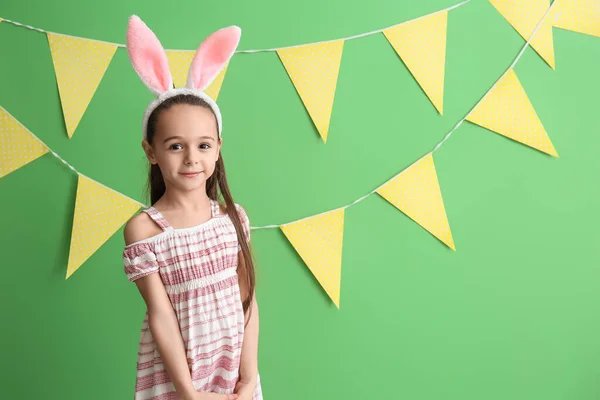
<point>421,44</point>
<point>524,16</point>
<point>416,192</point>
<point>506,110</point>
<point>318,241</point>
<point>179,64</point>
<point>79,65</point>
<point>18,146</point>
<point>99,213</point>
<point>314,71</point>
<point>582,16</point>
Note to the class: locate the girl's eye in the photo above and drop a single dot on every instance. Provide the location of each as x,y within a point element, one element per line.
<point>175,147</point>
<point>205,146</point>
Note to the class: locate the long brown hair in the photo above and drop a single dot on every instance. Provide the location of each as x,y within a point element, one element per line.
<point>215,184</point>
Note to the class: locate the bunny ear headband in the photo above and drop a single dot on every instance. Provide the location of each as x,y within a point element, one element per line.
<point>150,62</point>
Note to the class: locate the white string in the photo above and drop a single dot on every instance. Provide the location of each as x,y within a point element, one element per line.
<point>33,28</point>
<point>79,173</point>
<point>446,137</point>
<point>360,35</point>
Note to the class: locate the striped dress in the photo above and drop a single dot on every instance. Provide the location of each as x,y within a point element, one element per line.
<point>198,268</point>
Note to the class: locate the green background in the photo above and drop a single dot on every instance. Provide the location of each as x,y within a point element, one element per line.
<point>512,314</point>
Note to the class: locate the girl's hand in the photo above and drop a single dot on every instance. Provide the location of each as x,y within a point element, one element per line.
<point>245,389</point>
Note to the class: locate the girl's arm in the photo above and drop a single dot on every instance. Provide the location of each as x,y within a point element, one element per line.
<point>249,361</point>
<point>161,316</point>
<point>249,357</point>
<point>165,329</point>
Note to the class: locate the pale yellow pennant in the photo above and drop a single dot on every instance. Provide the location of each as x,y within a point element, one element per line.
<point>18,146</point>
<point>180,62</point>
<point>79,65</point>
<point>421,44</point>
<point>506,110</point>
<point>318,240</point>
<point>416,192</point>
<point>99,213</point>
<point>524,16</point>
<point>581,16</point>
<point>214,88</point>
<point>314,68</point>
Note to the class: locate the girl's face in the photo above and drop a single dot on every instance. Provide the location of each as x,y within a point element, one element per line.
<point>185,146</point>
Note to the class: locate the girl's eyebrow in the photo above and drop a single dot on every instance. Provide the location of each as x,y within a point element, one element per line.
<point>179,137</point>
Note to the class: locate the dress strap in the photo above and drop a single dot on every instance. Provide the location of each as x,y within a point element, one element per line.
<point>158,218</point>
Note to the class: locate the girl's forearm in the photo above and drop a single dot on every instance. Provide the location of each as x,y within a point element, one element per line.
<point>165,329</point>
<point>249,357</point>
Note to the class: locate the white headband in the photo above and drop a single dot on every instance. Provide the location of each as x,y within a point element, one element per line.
<point>174,92</point>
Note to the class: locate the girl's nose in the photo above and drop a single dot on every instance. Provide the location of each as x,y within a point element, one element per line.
<point>191,158</point>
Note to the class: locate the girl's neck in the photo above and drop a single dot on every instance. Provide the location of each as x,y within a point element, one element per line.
<point>188,201</point>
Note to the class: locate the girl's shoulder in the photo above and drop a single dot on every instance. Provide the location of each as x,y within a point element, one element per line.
<point>140,227</point>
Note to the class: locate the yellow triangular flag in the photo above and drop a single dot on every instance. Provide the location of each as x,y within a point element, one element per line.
<point>214,88</point>
<point>79,65</point>
<point>416,192</point>
<point>524,16</point>
<point>99,213</point>
<point>581,16</point>
<point>18,146</point>
<point>179,63</point>
<point>506,110</point>
<point>421,44</point>
<point>318,241</point>
<point>314,68</point>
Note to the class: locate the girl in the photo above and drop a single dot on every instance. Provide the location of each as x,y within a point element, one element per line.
<point>188,254</point>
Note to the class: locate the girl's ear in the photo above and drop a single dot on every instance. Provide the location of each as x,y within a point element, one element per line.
<point>149,152</point>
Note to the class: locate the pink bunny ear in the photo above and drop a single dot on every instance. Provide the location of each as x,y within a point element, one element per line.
<point>212,56</point>
<point>148,56</point>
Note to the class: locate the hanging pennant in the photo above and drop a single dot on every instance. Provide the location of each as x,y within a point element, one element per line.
<point>79,65</point>
<point>314,68</point>
<point>506,110</point>
<point>18,146</point>
<point>581,16</point>
<point>416,192</point>
<point>421,44</point>
<point>214,88</point>
<point>318,240</point>
<point>99,213</point>
<point>524,16</point>
<point>179,64</point>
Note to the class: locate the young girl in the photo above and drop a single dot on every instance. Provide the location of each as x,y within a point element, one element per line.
<point>188,254</point>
